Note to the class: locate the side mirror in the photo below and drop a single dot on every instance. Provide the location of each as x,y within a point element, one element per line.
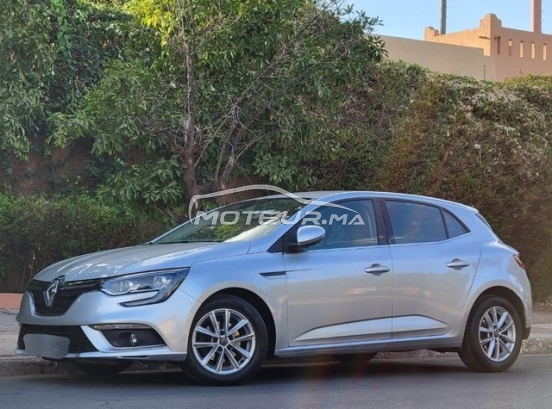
<point>307,236</point>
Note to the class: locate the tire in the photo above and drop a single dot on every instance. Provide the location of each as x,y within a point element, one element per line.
<point>227,344</point>
<point>356,359</point>
<point>493,336</point>
<point>94,369</point>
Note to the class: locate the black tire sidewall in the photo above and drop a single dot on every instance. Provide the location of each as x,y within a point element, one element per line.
<point>201,375</point>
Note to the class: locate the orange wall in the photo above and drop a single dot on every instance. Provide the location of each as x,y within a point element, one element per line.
<point>9,301</point>
<point>490,51</point>
<point>443,58</point>
<point>514,52</point>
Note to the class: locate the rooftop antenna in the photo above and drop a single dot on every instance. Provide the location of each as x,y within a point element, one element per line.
<point>536,16</point>
<point>443,29</point>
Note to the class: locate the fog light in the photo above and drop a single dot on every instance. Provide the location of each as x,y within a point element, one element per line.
<point>132,338</point>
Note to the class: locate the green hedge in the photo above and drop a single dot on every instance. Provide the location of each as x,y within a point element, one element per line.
<point>485,144</point>
<point>36,231</point>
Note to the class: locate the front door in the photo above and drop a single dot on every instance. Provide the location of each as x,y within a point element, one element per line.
<point>340,290</point>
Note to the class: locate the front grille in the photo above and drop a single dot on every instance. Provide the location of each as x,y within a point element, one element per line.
<point>78,342</point>
<point>67,293</point>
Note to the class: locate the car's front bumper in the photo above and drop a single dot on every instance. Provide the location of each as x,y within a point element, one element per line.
<point>170,319</point>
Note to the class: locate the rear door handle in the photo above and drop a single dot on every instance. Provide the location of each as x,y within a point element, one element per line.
<point>457,264</point>
<point>377,269</point>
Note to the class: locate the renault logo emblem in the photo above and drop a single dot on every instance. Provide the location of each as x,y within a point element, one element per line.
<point>51,291</point>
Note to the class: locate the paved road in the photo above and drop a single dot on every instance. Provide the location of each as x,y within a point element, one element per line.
<point>409,383</point>
<point>8,332</point>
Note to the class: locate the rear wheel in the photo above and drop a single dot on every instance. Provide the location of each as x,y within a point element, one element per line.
<point>493,336</point>
<point>228,342</point>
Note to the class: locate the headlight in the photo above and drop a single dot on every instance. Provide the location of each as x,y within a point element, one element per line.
<point>161,284</point>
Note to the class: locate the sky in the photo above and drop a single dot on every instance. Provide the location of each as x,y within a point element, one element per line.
<point>408,18</point>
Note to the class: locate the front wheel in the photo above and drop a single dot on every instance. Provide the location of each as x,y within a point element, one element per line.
<point>228,342</point>
<point>493,336</point>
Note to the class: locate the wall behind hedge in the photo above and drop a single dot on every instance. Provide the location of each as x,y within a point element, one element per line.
<point>36,231</point>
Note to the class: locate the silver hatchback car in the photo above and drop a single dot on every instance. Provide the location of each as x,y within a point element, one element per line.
<point>346,274</point>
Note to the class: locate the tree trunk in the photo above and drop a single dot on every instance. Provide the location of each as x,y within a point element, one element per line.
<point>190,181</point>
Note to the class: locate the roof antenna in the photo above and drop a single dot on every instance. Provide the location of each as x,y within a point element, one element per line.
<point>536,17</point>
<point>443,29</point>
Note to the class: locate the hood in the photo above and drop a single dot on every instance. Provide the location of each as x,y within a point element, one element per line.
<point>137,259</point>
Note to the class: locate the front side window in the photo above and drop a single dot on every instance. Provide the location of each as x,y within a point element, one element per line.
<point>416,223</point>
<point>353,224</point>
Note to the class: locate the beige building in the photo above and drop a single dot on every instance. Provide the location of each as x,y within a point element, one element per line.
<point>490,51</point>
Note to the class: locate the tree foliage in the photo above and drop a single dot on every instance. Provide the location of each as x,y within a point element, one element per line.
<point>234,86</point>
<point>177,97</point>
<point>54,51</point>
<point>37,231</point>
<point>26,72</point>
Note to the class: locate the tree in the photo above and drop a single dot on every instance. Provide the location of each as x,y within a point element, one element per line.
<point>25,72</point>
<point>234,85</point>
<point>53,50</point>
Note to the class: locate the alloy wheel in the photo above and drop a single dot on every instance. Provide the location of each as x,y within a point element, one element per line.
<point>223,341</point>
<point>497,334</point>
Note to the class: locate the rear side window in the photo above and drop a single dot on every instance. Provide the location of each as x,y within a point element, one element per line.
<point>454,227</point>
<point>416,223</point>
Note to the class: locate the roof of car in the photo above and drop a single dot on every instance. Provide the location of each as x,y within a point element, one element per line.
<point>334,194</point>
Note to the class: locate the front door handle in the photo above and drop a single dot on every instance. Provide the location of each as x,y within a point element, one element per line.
<point>458,264</point>
<point>377,269</point>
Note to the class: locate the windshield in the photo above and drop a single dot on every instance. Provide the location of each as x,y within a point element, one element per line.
<point>236,222</point>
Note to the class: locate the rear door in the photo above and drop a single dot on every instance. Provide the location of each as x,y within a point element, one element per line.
<point>434,262</point>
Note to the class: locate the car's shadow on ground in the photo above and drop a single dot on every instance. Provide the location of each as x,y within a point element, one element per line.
<point>274,374</point>
<point>378,368</point>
